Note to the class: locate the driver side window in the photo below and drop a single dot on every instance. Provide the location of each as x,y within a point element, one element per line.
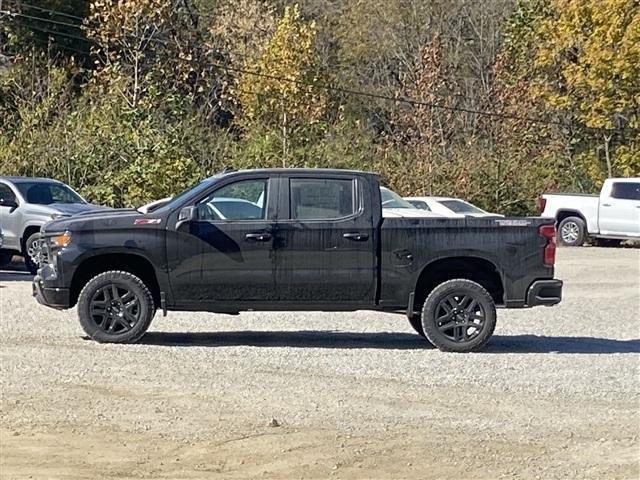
<point>6,193</point>
<point>243,200</point>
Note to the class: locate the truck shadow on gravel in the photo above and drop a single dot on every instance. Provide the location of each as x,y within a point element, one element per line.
<point>545,344</point>
<point>385,341</point>
<point>299,339</point>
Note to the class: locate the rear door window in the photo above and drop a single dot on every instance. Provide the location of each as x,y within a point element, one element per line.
<point>321,199</point>
<point>626,190</point>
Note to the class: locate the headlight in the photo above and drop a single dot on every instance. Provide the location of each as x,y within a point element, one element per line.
<point>61,240</point>
<point>55,216</point>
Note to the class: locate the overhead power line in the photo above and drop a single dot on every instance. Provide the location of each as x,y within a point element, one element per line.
<point>86,23</point>
<point>331,88</point>
<point>346,91</point>
<point>42,19</point>
<point>47,10</point>
<point>57,33</point>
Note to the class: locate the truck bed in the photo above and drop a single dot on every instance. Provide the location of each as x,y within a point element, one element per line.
<point>513,247</point>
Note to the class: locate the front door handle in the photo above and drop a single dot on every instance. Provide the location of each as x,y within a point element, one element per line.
<point>258,237</point>
<point>606,204</point>
<point>355,236</point>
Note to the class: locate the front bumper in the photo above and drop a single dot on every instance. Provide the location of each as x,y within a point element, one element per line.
<point>54,297</point>
<point>544,292</point>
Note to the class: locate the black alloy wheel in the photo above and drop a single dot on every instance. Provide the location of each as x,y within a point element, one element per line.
<point>115,307</point>
<point>459,316</point>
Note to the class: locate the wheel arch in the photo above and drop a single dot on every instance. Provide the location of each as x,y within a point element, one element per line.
<point>566,213</point>
<point>29,230</point>
<point>470,267</point>
<point>133,263</point>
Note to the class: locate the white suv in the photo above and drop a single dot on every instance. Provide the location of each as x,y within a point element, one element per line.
<point>25,205</point>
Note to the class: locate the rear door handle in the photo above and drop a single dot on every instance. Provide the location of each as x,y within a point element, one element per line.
<point>258,237</point>
<point>355,236</point>
<point>606,204</point>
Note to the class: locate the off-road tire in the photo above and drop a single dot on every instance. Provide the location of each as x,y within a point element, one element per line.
<point>123,281</point>
<point>433,310</point>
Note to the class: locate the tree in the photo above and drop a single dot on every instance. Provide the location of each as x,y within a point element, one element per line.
<point>127,34</point>
<point>587,69</point>
<point>424,132</point>
<point>238,32</point>
<point>281,91</point>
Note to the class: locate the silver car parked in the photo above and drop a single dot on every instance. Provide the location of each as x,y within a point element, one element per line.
<point>25,205</point>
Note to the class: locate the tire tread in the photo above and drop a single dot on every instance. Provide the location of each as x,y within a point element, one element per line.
<point>428,327</point>
<point>138,331</point>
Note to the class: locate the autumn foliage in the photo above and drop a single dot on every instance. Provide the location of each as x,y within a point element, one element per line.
<point>493,101</point>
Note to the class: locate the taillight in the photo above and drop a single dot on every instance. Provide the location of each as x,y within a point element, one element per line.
<point>542,203</point>
<point>549,232</point>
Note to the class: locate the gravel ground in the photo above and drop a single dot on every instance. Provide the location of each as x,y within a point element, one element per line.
<point>341,395</point>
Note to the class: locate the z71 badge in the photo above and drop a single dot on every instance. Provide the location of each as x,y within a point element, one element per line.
<point>147,221</point>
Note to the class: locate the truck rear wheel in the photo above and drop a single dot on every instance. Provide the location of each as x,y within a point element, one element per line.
<point>459,316</point>
<point>572,232</point>
<point>115,307</point>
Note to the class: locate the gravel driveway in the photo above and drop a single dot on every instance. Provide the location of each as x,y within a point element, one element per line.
<point>330,395</point>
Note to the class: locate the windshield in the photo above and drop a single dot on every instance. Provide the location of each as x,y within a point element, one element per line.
<point>175,201</point>
<point>46,193</point>
<point>391,199</point>
<point>458,206</point>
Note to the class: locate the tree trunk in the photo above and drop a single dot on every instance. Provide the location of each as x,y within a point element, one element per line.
<point>607,140</point>
<point>284,139</point>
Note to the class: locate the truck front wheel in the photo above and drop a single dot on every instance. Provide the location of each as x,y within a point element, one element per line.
<point>572,232</point>
<point>459,316</point>
<point>115,307</point>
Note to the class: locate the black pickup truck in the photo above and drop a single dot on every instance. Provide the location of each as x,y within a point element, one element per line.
<point>295,239</point>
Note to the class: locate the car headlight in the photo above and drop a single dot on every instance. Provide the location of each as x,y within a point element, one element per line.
<point>55,216</point>
<point>61,240</point>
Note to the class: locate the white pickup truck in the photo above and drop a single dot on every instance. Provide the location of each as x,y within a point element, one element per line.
<point>608,218</point>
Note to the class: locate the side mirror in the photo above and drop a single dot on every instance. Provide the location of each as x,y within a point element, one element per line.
<point>187,214</point>
<point>5,202</point>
